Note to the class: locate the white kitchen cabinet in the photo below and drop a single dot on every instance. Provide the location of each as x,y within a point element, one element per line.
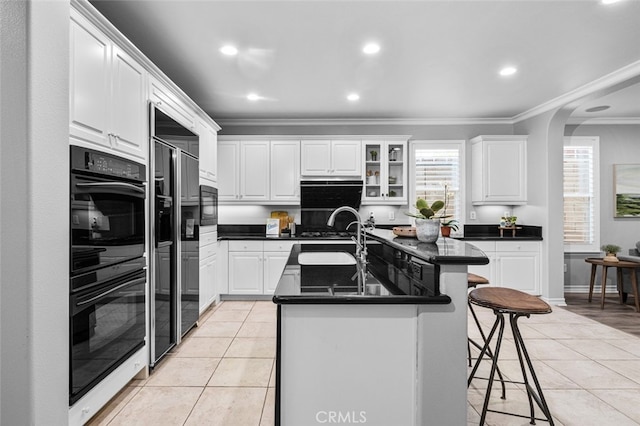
<point>284,171</point>
<point>513,264</point>
<point>255,267</point>
<point>228,171</point>
<point>208,157</point>
<point>243,168</point>
<point>190,270</point>
<point>499,170</point>
<point>208,266</point>
<point>331,157</point>
<point>385,174</point>
<point>170,104</point>
<point>107,93</point>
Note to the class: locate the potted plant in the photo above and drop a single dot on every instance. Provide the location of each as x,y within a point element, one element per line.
<point>447,226</point>
<point>374,155</point>
<point>610,250</point>
<point>427,224</point>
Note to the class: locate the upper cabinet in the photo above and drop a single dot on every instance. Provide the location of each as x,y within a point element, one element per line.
<point>259,171</point>
<point>208,151</point>
<point>107,95</point>
<point>331,158</point>
<point>499,170</point>
<point>385,174</point>
<point>169,102</point>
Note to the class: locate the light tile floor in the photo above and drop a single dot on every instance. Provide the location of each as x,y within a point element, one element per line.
<point>223,373</point>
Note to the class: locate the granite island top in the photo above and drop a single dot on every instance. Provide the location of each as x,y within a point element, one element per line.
<point>338,284</point>
<point>444,251</point>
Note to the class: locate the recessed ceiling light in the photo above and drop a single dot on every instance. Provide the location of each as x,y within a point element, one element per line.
<point>609,1</point>
<point>229,50</point>
<point>353,97</point>
<point>508,71</point>
<point>371,48</point>
<point>253,97</point>
<point>598,108</point>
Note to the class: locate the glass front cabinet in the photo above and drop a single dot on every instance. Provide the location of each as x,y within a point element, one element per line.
<point>385,171</point>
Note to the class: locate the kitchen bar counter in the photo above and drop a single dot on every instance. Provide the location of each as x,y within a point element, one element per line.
<point>377,362</point>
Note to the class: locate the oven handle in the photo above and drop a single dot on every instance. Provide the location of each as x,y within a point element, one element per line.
<point>111,185</point>
<point>127,284</point>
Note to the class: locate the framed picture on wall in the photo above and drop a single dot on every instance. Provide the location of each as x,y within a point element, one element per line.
<point>626,180</point>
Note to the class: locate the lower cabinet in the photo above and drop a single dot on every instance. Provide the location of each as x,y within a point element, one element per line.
<point>208,268</point>
<point>513,264</point>
<point>255,267</point>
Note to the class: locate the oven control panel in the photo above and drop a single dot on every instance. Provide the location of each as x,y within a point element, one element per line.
<point>88,160</point>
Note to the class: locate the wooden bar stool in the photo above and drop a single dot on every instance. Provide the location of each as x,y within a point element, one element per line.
<point>517,304</point>
<point>473,281</point>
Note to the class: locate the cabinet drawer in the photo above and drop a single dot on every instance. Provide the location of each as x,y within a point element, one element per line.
<point>207,238</point>
<point>485,246</point>
<point>245,245</point>
<point>278,245</point>
<point>518,246</point>
<point>208,250</point>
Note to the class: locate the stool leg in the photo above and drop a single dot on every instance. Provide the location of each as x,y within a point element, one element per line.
<point>494,365</point>
<point>488,350</point>
<point>604,285</point>
<point>522,353</point>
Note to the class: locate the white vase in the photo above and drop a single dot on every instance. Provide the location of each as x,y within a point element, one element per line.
<point>427,230</point>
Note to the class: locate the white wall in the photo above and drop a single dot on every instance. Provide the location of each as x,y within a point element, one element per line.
<point>34,259</point>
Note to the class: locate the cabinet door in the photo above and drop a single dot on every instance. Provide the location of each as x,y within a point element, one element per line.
<point>254,171</point>
<point>89,88</point>
<point>228,171</point>
<point>315,157</point>
<point>285,171</point>
<point>128,105</point>
<point>208,282</point>
<point>520,271</point>
<point>346,158</point>
<point>504,171</point>
<point>245,272</point>
<point>208,152</point>
<point>274,263</point>
<point>168,101</point>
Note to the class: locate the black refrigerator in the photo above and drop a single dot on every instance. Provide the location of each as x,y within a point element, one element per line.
<point>174,245</point>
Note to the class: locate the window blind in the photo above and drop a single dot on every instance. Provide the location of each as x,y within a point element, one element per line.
<point>579,195</point>
<point>436,168</point>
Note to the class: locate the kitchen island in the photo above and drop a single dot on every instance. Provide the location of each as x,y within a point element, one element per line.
<point>393,353</point>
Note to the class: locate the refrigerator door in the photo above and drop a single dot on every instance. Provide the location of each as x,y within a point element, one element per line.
<point>189,241</point>
<point>164,252</point>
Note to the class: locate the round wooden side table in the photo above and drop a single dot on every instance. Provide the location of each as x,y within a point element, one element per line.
<point>620,265</point>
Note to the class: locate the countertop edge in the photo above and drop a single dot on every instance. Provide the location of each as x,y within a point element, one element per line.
<point>362,300</point>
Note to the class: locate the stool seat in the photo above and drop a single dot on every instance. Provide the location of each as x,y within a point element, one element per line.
<point>474,280</point>
<point>508,300</point>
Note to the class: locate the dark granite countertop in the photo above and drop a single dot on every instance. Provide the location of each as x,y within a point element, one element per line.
<point>445,251</point>
<point>338,284</point>
<point>491,232</point>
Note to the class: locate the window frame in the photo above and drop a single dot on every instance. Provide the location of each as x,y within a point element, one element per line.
<point>458,144</point>
<point>594,143</point>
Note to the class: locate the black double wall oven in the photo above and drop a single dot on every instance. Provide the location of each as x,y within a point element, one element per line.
<point>108,268</point>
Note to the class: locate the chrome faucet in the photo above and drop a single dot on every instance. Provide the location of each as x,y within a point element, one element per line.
<point>361,240</point>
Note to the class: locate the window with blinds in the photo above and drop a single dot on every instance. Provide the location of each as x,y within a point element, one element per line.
<point>438,166</point>
<point>581,215</point>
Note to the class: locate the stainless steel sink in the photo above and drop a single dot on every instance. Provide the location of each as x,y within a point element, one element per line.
<point>326,258</point>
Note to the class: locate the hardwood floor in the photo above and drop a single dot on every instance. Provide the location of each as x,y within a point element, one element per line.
<point>621,317</point>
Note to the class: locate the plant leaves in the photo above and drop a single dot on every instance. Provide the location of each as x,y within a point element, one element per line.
<point>437,205</point>
<point>427,212</point>
<point>421,204</point>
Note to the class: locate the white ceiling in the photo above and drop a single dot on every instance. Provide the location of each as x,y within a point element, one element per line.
<point>439,59</point>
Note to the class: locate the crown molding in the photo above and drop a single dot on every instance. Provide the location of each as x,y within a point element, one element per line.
<point>360,121</point>
<point>621,75</point>
<point>602,121</point>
